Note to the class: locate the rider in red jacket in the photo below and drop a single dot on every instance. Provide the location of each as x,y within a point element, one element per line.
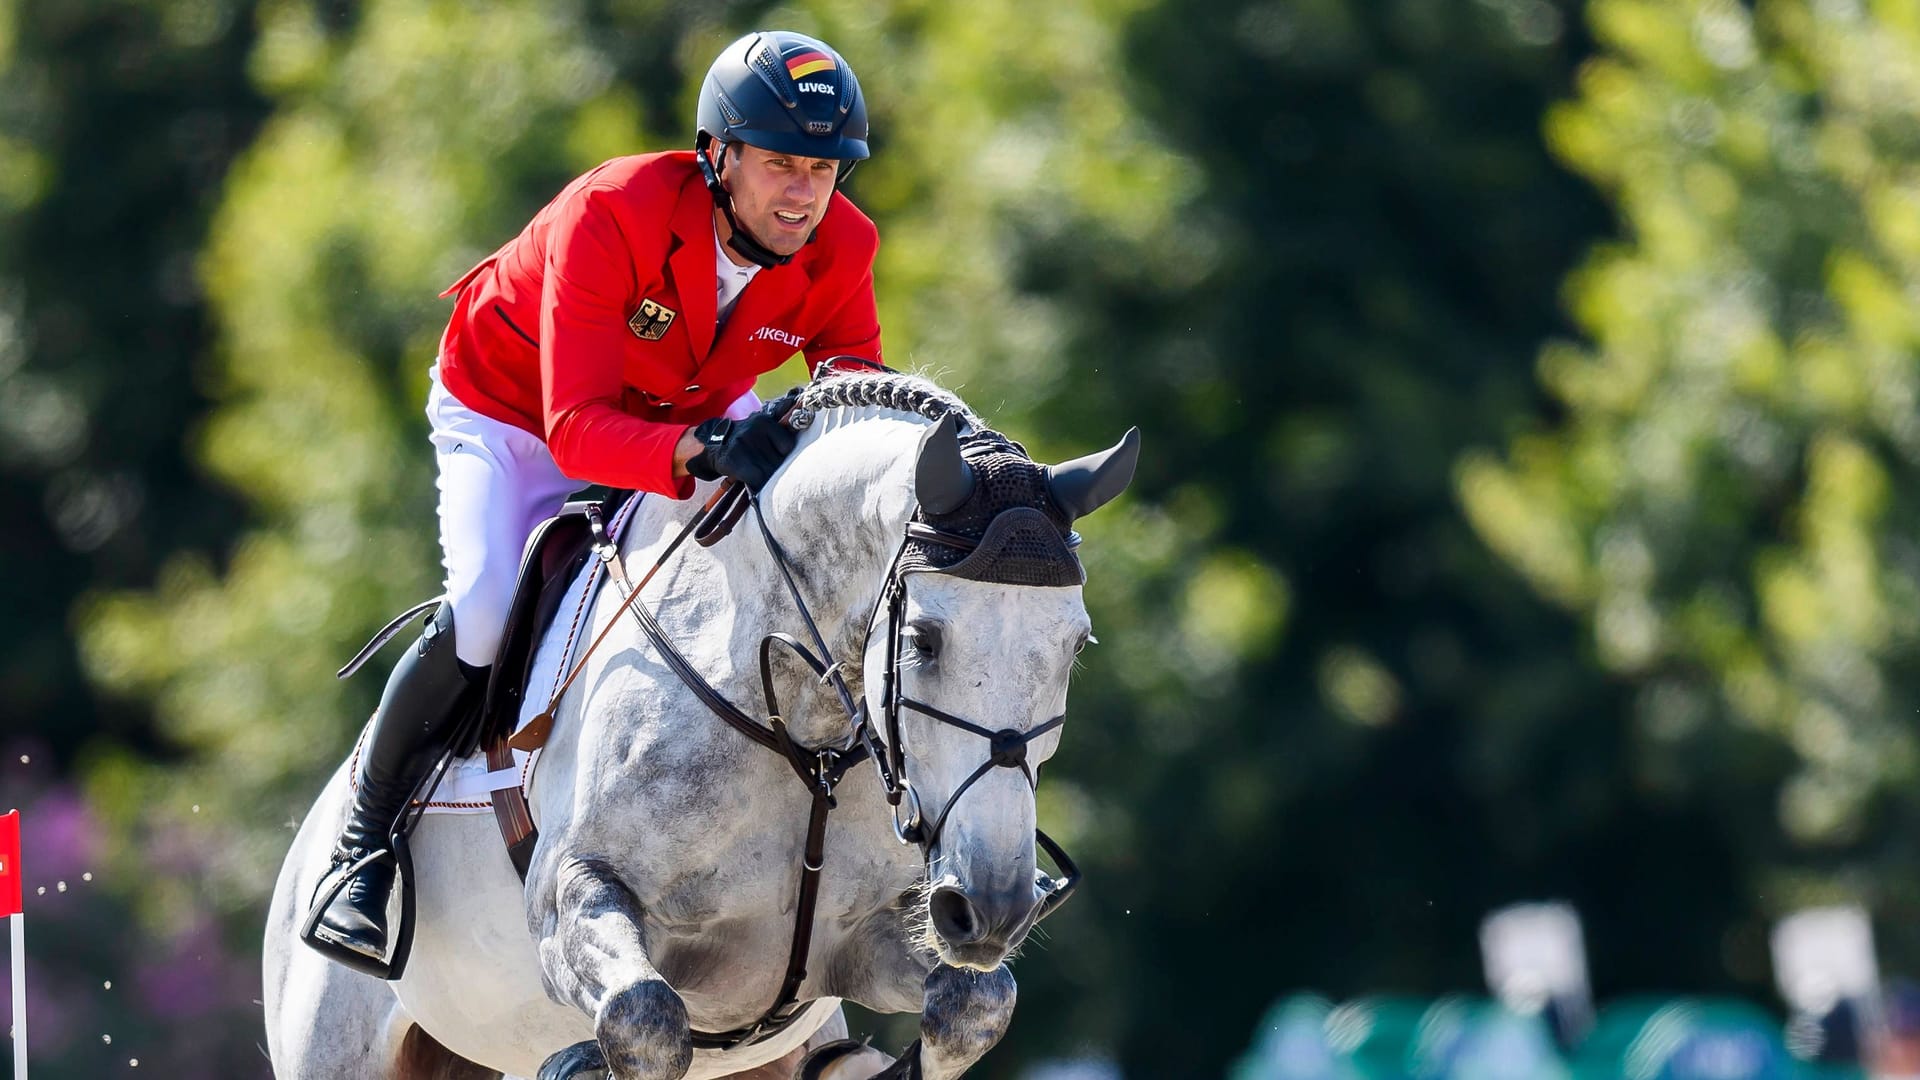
<point>615,341</point>
<point>613,390</point>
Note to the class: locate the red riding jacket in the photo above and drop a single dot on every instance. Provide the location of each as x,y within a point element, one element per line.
<point>594,328</point>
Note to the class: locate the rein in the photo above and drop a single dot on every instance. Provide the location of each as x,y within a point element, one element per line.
<point>822,768</point>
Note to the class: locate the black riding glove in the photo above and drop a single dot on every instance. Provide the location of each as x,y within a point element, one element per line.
<point>748,450</point>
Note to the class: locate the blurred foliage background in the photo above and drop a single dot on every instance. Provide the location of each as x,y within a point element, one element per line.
<point>1529,389</point>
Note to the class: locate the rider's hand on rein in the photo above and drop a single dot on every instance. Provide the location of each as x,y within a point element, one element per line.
<point>748,450</point>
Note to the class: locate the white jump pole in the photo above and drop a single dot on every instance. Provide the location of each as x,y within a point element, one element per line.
<point>19,922</point>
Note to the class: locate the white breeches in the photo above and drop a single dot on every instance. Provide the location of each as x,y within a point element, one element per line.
<point>496,483</point>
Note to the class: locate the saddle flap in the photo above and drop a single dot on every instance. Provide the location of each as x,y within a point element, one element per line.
<point>555,551</point>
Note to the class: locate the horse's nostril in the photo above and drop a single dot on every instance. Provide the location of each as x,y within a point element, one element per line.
<point>954,918</point>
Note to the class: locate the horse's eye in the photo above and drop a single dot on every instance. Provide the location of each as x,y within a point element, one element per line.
<point>922,639</point>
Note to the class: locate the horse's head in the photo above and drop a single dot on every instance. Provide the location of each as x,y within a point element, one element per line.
<point>986,620</point>
<point>969,653</point>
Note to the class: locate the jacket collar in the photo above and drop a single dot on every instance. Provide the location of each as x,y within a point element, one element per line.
<point>774,291</point>
<point>692,262</point>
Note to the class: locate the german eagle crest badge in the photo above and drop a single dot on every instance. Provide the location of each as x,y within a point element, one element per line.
<point>651,321</point>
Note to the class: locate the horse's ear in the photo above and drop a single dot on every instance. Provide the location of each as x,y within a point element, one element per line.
<point>1085,484</point>
<point>941,479</point>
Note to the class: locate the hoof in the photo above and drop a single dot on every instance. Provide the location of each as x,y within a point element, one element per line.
<point>581,1061</point>
<point>644,1031</point>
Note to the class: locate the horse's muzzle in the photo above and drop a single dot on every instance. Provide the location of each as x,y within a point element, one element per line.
<point>978,930</point>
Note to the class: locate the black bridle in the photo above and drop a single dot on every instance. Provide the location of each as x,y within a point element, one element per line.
<point>1008,746</point>
<point>822,768</point>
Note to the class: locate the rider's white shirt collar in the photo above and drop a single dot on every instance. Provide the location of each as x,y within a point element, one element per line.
<point>730,277</point>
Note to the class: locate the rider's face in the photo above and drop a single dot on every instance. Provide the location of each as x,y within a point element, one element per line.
<point>779,198</point>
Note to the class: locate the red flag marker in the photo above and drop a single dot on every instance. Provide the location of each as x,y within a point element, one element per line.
<point>11,891</point>
<point>11,895</point>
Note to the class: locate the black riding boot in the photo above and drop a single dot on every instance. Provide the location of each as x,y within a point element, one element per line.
<point>419,708</point>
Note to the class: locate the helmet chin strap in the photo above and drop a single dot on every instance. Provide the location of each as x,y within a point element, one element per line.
<point>740,240</point>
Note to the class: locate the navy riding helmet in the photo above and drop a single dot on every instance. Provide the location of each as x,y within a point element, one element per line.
<point>782,92</point>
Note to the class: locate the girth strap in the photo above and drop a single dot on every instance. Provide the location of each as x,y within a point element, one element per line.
<point>511,812</point>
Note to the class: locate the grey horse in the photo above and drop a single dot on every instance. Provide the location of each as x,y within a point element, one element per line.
<point>661,897</point>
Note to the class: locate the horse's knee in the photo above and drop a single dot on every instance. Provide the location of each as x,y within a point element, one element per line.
<point>644,1032</point>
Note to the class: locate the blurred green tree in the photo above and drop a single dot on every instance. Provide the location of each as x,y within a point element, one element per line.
<point>117,121</point>
<point>1332,729</point>
<point>1726,498</point>
<point>1311,247</point>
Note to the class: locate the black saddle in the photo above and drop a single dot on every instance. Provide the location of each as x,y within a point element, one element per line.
<point>555,552</point>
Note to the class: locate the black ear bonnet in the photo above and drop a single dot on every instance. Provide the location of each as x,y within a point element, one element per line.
<point>1019,535</point>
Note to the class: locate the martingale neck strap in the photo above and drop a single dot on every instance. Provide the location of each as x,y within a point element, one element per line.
<point>820,769</point>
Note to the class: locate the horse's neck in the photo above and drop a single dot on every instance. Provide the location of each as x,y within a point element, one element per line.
<point>837,512</point>
<point>841,505</point>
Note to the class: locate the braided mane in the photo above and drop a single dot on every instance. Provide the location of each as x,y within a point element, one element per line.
<point>1014,532</point>
<point>887,390</point>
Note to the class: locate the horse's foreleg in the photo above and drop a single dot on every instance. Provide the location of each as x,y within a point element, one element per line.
<point>962,1016</point>
<point>595,957</point>
<point>965,1014</point>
